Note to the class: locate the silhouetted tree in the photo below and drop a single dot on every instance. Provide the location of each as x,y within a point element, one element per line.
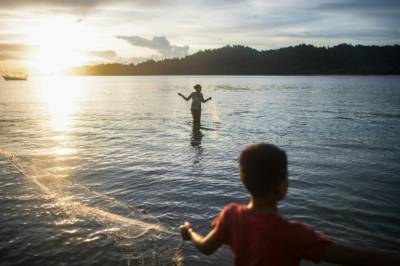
<point>240,60</point>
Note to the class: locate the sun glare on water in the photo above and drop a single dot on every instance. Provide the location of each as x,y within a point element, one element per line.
<point>62,96</point>
<point>59,42</point>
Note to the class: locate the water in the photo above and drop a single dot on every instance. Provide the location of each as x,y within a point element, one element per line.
<point>101,170</point>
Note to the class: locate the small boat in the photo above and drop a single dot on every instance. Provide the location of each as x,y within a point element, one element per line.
<point>17,76</point>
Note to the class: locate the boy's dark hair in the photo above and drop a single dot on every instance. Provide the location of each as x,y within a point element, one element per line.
<point>197,86</point>
<point>262,167</point>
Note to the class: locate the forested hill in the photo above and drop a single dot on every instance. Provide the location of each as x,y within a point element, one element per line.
<point>241,60</point>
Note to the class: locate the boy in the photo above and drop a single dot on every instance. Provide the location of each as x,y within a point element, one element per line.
<point>258,235</point>
<point>197,99</point>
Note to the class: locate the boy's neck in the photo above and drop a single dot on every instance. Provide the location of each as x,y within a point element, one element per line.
<point>264,205</point>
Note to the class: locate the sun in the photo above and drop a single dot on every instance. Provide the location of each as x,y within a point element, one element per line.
<point>59,42</point>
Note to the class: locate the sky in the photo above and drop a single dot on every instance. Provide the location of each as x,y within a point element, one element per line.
<point>52,35</point>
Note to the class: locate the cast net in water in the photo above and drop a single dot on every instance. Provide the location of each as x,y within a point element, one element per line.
<point>139,235</point>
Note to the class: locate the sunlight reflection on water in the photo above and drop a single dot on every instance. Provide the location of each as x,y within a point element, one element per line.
<point>62,95</point>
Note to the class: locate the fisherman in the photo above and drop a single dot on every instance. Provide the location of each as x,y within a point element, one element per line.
<point>197,99</point>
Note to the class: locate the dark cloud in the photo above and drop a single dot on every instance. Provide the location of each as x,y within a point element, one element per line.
<point>384,12</point>
<point>84,4</point>
<point>137,60</point>
<point>106,54</point>
<point>366,18</point>
<point>159,44</point>
<point>16,51</point>
<point>54,5</point>
<point>356,34</point>
<point>74,7</point>
<point>360,5</point>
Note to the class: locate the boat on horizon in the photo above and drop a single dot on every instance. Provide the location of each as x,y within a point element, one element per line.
<point>17,76</point>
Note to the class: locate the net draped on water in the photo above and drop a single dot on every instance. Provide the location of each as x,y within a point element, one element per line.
<point>137,234</point>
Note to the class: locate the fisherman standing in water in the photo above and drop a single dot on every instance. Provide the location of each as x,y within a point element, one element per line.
<point>197,99</point>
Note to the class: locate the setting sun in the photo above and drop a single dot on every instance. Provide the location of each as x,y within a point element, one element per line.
<point>58,41</point>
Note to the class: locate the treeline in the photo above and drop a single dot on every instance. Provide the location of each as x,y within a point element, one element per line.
<point>240,60</point>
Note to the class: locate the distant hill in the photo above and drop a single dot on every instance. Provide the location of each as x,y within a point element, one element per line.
<point>240,60</point>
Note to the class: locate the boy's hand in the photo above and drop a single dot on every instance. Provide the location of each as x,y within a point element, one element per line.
<point>180,94</point>
<point>209,98</point>
<point>185,230</point>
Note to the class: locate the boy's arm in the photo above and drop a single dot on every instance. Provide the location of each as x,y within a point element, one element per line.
<point>342,255</point>
<point>206,244</point>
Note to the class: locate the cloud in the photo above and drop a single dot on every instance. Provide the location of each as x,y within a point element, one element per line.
<point>20,52</point>
<point>136,60</point>
<point>357,5</point>
<point>110,56</point>
<point>357,34</point>
<point>72,6</point>
<point>384,13</point>
<point>205,24</point>
<point>55,5</point>
<point>11,37</point>
<point>159,44</point>
<point>12,51</point>
<point>106,54</point>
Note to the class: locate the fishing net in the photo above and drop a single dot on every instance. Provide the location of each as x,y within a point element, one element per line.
<point>137,234</point>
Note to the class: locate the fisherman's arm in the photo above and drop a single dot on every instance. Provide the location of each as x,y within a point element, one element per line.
<point>186,98</point>
<point>206,100</point>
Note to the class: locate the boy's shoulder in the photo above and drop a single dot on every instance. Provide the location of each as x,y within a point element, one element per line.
<point>235,209</point>
<point>230,212</point>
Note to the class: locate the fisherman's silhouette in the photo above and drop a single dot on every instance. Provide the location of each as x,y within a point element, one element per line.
<point>197,99</point>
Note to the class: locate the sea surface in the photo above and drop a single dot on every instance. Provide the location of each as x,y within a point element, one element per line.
<point>102,170</point>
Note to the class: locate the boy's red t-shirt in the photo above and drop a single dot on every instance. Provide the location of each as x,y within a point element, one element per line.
<point>267,239</point>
